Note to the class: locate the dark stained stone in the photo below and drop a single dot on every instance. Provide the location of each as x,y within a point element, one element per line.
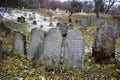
<point>21,19</point>
<point>104,43</point>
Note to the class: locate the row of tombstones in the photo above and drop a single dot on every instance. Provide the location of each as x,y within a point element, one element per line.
<point>49,48</point>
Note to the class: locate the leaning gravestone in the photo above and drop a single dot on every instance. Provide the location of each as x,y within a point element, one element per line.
<point>104,43</point>
<point>36,45</point>
<point>52,48</point>
<point>74,50</point>
<point>19,43</point>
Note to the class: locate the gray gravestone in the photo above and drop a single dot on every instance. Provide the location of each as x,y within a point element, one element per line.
<point>104,43</point>
<point>116,31</point>
<point>84,23</point>
<point>74,50</point>
<point>52,48</point>
<point>36,45</point>
<point>19,43</point>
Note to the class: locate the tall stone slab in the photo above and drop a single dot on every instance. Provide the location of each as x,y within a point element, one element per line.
<point>0,46</point>
<point>104,43</point>
<point>52,48</point>
<point>19,43</point>
<point>36,45</point>
<point>74,50</point>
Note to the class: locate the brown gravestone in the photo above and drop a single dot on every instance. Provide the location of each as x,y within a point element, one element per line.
<point>104,44</point>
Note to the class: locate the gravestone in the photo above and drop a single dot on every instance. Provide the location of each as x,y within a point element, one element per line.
<point>84,23</point>
<point>34,15</point>
<point>19,43</point>
<point>59,24</point>
<point>34,22</point>
<point>116,32</point>
<point>98,23</point>
<point>104,44</point>
<point>50,24</point>
<point>0,46</point>
<point>8,31</point>
<point>21,19</point>
<point>36,45</point>
<point>52,48</point>
<point>74,50</point>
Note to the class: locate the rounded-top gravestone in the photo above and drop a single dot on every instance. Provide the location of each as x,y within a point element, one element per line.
<point>104,43</point>
<point>36,45</point>
<point>19,43</point>
<point>74,50</point>
<point>52,48</point>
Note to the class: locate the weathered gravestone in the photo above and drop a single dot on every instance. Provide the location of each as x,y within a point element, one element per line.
<point>34,22</point>
<point>50,24</point>
<point>98,23</point>
<point>19,43</point>
<point>117,32</point>
<point>104,44</point>
<point>0,46</point>
<point>36,45</point>
<point>84,23</point>
<point>21,19</point>
<point>74,50</point>
<point>52,48</point>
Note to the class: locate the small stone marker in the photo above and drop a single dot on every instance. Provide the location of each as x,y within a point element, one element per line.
<point>84,23</point>
<point>50,24</point>
<point>19,43</point>
<point>52,48</point>
<point>104,43</point>
<point>36,45</point>
<point>34,22</point>
<point>74,50</point>
<point>21,19</point>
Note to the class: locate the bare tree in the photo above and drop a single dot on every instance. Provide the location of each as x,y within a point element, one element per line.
<point>110,4</point>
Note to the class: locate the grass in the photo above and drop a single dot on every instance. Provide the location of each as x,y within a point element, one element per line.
<point>13,66</point>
